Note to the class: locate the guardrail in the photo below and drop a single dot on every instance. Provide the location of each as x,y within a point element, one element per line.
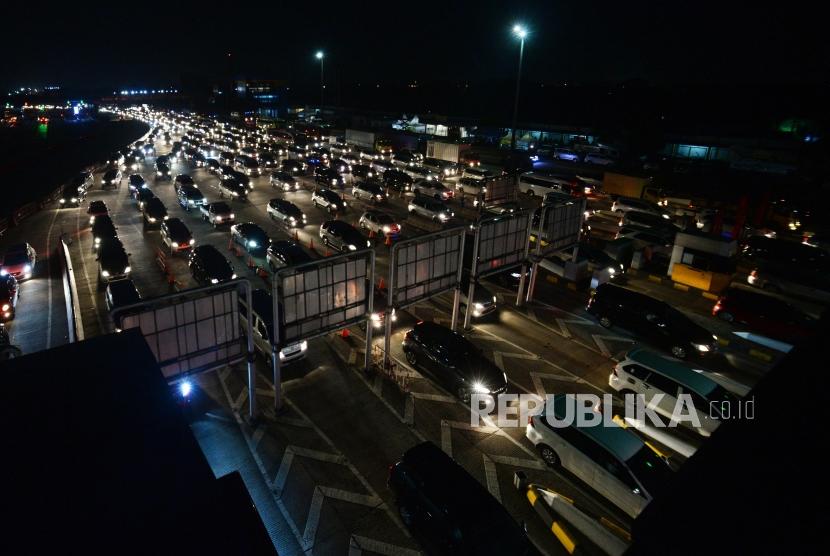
<point>70,294</point>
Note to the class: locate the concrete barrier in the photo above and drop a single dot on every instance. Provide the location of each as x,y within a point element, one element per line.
<point>70,294</point>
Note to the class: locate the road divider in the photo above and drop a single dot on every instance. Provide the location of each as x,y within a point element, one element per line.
<point>70,290</point>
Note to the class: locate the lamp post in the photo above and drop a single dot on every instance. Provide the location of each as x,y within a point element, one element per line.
<point>319,56</point>
<point>520,32</point>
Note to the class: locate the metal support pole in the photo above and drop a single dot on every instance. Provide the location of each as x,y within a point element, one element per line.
<point>456,301</point>
<point>472,290</point>
<point>275,349</point>
<point>456,296</point>
<point>321,83</point>
<point>367,358</point>
<point>251,355</point>
<point>516,100</point>
<point>387,321</point>
<point>534,272</point>
<point>522,278</point>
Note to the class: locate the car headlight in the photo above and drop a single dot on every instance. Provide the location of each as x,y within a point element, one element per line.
<point>368,243</point>
<point>214,281</point>
<point>666,216</point>
<point>233,276</point>
<point>478,306</point>
<point>151,219</point>
<point>612,271</point>
<point>175,245</point>
<point>63,200</point>
<point>235,194</point>
<point>127,269</point>
<point>97,240</point>
<point>386,229</point>
<point>105,273</point>
<point>231,216</point>
<point>27,268</point>
<point>479,388</point>
<point>443,216</point>
<point>252,243</point>
<point>6,307</point>
<point>303,345</point>
<point>494,299</point>
<point>703,348</point>
<point>352,248</point>
<point>375,317</point>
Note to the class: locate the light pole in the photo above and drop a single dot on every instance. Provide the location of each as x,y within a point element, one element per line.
<point>319,56</point>
<point>521,33</point>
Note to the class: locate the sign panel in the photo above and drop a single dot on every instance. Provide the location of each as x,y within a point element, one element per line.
<point>323,296</point>
<point>426,266</point>
<point>502,242</point>
<point>562,224</point>
<point>189,332</point>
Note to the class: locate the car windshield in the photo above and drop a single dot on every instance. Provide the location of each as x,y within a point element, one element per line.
<point>16,258</point>
<point>385,219</point>
<point>221,208</point>
<point>652,472</point>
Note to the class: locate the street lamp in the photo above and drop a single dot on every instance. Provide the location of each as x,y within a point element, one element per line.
<point>319,56</point>
<point>521,32</point>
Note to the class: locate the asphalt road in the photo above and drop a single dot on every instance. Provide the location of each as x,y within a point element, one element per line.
<point>318,469</point>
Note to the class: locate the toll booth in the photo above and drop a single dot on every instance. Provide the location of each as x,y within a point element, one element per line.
<point>703,261</point>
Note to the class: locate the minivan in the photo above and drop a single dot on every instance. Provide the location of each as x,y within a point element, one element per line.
<point>448,510</point>
<point>608,458</point>
<point>263,327</point>
<point>648,374</point>
<point>430,208</point>
<point>534,183</point>
<point>654,320</point>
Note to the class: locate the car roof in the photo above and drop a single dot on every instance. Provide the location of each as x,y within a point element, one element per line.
<point>612,437</point>
<point>672,369</point>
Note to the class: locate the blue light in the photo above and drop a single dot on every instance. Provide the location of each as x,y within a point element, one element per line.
<point>185,387</point>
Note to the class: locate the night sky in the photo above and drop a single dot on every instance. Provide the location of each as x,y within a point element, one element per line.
<point>149,44</point>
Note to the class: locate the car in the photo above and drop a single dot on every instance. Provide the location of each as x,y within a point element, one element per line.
<point>217,213</point>
<point>484,302</point>
<point>284,253</point>
<point>103,229</point>
<point>183,180</point>
<point>328,177</point>
<point>113,261</point>
<point>285,181</point>
<point>430,208</point>
<point>83,182</point>
<point>212,165</point>
<point>560,153</point>
<point>226,157</point>
<point>765,314</point>
<point>802,281</point>
<point>613,461</point>
<point>654,241</point>
<point>362,171</point>
<point>162,171</point>
<point>421,173</point>
<point>268,160</point>
<point>154,213</point>
<point>662,222</point>
<point>327,199</point>
<point>286,212</point>
<point>190,197</point>
<point>136,182</point>
<point>452,361</point>
<point>250,236</point>
<point>477,173</point>
<point>448,510</point>
<point>380,223</point>
<point>198,159</point>
<point>625,204</point>
<point>142,196</point>
<point>71,196</point>
<point>660,381</point>
<point>248,165</point>
<point>403,159</point>
<point>208,266</point>
<point>292,166</point>
<point>652,319</point>
<point>111,179</point>
<point>369,191</point>
<point>163,159</point>
<point>380,166</point>
<point>9,294</point>
<point>121,293</point>
<point>95,209</point>
<point>397,180</point>
<point>232,189</point>
<point>340,165</point>
<point>432,188</point>
<point>599,159</point>
<point>262,320</point>
<point>175,236</point>
<point>342,236</point>
<point>148,149</point>
<point>441,167</point>
<point>115,159</point>
<point>19,261</point>
<point>353,158</point>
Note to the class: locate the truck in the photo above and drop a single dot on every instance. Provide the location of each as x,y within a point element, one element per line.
<point>451,152</point>
<point>370,140</point>
<point>623,185</point>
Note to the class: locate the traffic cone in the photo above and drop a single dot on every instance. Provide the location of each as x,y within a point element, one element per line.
<point>344,333</point>
<point>296,235</point>
<point>311,244</point>
<point>388,241</point>
<point>382,284</point>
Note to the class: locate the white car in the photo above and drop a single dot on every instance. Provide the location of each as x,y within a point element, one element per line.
<point>432,188</point>
<point>380,223</point>
<point>599,159</point>
<point>430,208</point>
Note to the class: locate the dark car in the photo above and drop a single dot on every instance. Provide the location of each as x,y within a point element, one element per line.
<point>111,179</point>
<point>217,213</point>
<point>328,177</point>
<point>286,212</point>
<point>176,236</point>
<point>342,236</point>
<point>369,191</point>
<point>83,181</point>
<point>190,197</point>
<point>96,209</point>
<point>362,171</point>
<point>209,266</point>
<point>113,261</point>
<point>284,253</point>
<point>71,196</point>
<point>340,165</point>
<point>232,188</point>
<point>453,361</point>
<point>115,159</point>
<point>449,511</point>
<point>183,180</point>
<point>9,294</point>
<point>250,236</point>
<point>154,213</point>
<point>765,314</point>
<point>142,196</point>
<point>162,171</point>
<point>121,293</point>
<point>293,166</point>
<point>212,165</point>
<point>103,229</point>
<point>267,160</point>
<point>397,180</point>
<point>136,182</point>
<point>19,261</point>
<point>651,319</point>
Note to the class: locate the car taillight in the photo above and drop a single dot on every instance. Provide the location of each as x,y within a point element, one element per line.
<point>717,307</point>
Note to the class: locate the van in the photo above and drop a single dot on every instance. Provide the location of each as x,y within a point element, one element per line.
<point>534,183</point>
<point>606,457</point>
<point>448,510</point>
<point>263,326</point>
<point>646,373</point>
